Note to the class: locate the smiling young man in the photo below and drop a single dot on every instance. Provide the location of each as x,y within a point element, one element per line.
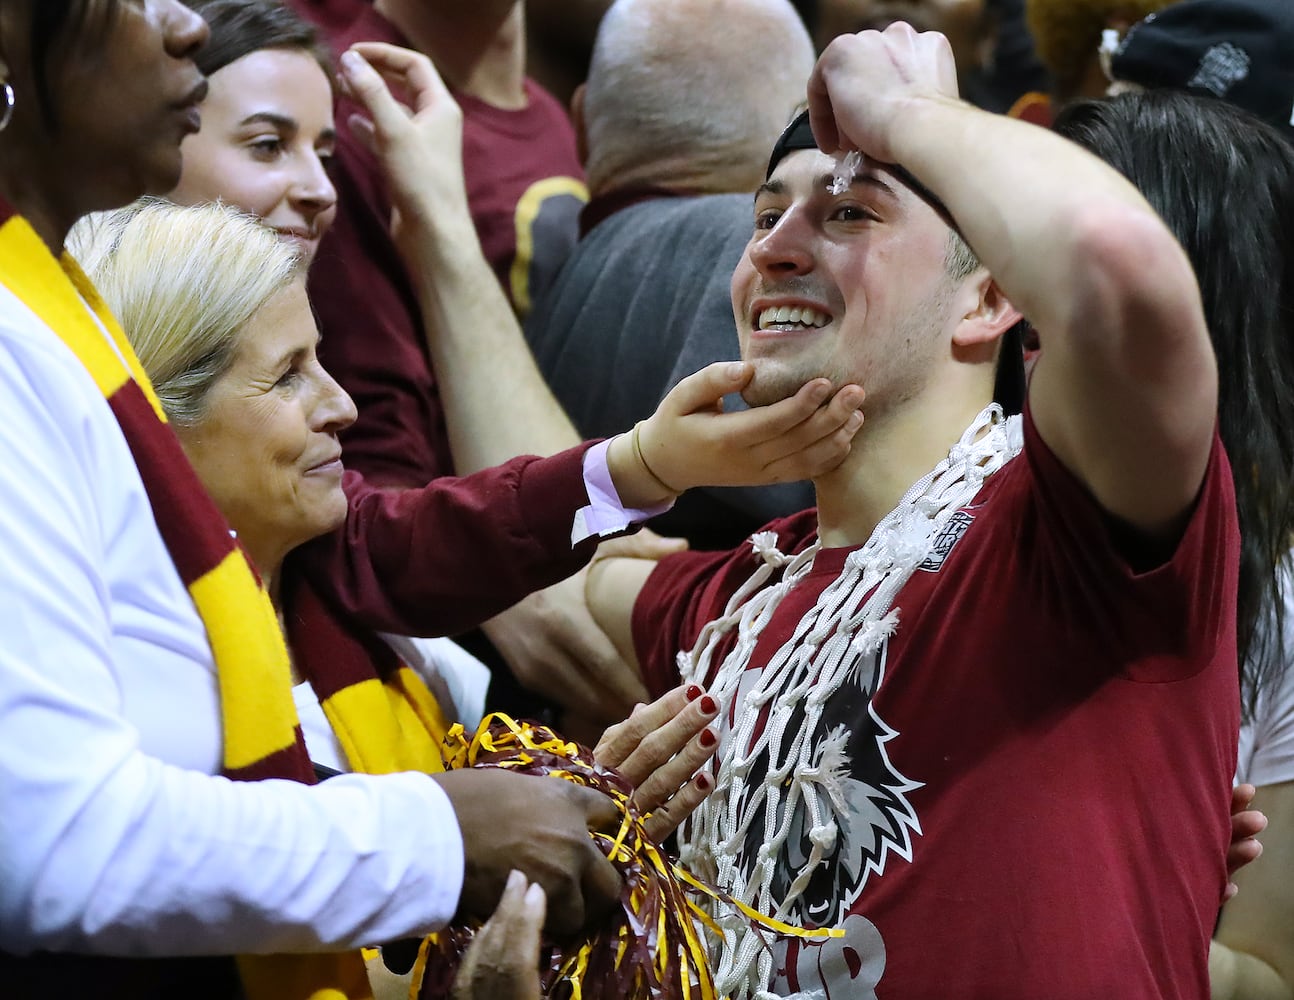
<point>944,686</point>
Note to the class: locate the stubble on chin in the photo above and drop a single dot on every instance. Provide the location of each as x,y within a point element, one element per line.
<point>774,381</point>
<point>767,388</point>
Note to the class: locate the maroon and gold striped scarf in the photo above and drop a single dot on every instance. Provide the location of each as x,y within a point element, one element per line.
<point>386,719</point>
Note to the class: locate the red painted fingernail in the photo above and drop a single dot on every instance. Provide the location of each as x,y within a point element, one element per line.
<point>708,739</point>
<point>709,706</point>
<point>703,782</point>
<point>693,692</point>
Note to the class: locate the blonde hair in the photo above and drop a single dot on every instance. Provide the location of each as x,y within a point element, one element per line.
<point>183,282</point>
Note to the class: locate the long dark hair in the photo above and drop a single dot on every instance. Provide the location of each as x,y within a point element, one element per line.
<point>241,27</point>
<point>1224,183</point>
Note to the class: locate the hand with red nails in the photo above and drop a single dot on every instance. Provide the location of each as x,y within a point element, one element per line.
<point>661,748</point>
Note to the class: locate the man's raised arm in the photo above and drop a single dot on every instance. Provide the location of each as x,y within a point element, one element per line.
<point>1125,390</point>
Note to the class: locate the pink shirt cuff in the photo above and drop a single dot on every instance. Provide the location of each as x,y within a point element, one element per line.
<point>606,514</point>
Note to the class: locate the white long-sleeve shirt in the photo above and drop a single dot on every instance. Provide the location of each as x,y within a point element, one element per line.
<point>1267,740</point>
<point>116,835</point>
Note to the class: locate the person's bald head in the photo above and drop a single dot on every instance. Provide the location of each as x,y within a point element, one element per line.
<point>691,94</point>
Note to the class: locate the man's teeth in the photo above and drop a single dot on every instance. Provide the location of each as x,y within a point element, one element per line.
<point>792,316</point>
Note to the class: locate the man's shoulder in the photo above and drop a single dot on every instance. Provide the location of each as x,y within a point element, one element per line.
<point>789,536</point>
<point>34,357</point>
<point>637,245</point>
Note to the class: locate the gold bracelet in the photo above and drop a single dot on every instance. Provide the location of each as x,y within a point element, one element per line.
<point>638,453</point>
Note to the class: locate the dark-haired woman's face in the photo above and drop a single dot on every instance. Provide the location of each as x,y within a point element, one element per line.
<point>267,133</point>
<point>122,104</point>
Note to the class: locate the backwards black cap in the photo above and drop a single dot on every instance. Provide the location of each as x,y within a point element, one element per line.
<point>1239,50</point>
<point>799,135</point>
<point>796,136</point>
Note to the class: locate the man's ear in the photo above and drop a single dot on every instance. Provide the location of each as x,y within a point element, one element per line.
<point>989,314</point>
<point>577,119</point>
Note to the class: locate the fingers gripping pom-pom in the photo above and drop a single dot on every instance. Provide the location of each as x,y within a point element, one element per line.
<point>653,947</point>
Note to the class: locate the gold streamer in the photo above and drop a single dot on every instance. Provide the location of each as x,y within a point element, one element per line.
<point>652,949</point>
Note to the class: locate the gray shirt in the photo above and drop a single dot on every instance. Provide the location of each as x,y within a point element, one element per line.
<point>642,302</point>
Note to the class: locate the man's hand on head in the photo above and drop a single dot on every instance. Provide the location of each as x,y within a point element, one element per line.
<point>863,84</point>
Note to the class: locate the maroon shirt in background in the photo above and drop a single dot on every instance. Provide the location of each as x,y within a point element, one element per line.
<point>1039,785</point>
<point>373,338</point>
<point>525,187</point>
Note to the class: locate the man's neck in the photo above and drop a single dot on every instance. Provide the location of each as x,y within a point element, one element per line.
<point>479,48</point>
<point>889,454</point>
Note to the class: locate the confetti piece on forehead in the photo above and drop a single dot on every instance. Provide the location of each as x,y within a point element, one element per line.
<point>799,135</point>
<point>847,165</point>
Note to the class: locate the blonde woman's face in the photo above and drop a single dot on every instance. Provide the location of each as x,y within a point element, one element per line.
<point>267,448</point>
<point>267,135</point>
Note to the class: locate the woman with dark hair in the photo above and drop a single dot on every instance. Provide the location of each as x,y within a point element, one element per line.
<point>240,27</point>
<point>267,123</point>
<point>146,714</point>
<point>1224,183</point>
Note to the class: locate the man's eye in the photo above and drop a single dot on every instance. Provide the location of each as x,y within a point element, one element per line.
<point>766,219</point>
<point>853,213</point>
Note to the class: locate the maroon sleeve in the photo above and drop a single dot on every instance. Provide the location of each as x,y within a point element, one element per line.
<point>441,559</point>
<point>688,590</point>
<point>1155,609</point>
<point>373,340</point>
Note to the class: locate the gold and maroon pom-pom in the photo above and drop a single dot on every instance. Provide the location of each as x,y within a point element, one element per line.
<point>652,948</point>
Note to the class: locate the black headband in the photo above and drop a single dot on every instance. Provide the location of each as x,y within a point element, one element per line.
<point>796,136</point>
<point>799,135</point>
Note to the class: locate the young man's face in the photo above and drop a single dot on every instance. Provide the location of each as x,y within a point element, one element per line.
<point>849,286</point>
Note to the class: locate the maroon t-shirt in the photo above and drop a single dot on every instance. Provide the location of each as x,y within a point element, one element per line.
<point>525,187</point>
<point>525,190</point>
<point>1040,766</point>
